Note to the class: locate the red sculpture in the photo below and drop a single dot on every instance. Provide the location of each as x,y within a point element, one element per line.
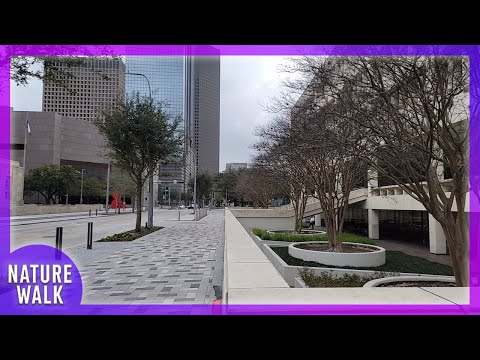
<point>117,202</point>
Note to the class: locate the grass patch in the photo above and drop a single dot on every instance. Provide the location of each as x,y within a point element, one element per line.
<point>346,237</point>
<point>130,235</point>
<point>397,261</point>
<point>327,280</point>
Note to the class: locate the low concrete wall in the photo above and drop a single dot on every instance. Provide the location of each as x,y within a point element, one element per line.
<point>393,279</point>
<point>261,213</point>
<point>299,283</point>
<point>245,266</point>
<point>33,209</point>
<point>374,258</point>
<point>270,223</point>
<point>200,214</point>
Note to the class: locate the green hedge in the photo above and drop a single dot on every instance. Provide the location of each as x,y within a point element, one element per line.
<point>346,237</point>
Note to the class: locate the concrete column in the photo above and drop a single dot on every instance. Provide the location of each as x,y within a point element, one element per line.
<point>373,224</point>
<point>318,221</point>
<point>438,242</point>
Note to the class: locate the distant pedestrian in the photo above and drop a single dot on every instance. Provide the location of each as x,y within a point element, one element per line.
<point>312,222</point>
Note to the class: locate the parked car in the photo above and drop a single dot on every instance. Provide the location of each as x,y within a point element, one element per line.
<point>182,206</point>
<point>190,206</point>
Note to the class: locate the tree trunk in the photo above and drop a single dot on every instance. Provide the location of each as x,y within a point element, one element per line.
<point>458,246</point>
<point>338,233</point>
<point>330,231</point>
<point>295,209</point>
<point>138,224</point>
<point>303,204</point>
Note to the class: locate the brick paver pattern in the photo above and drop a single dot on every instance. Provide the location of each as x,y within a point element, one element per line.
<point>178,264</point>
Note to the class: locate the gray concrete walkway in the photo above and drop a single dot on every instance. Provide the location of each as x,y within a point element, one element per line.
<point>414,250</point>
<point>178,264</point>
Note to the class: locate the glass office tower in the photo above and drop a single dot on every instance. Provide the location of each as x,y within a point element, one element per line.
<point>167,76</point>
<point>190,86</point>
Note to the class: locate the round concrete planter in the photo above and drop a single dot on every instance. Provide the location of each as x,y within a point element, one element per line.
<point>361,259</point>
<point>304,232</point>
<point>395,279</point>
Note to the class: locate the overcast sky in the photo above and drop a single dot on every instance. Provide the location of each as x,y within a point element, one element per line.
<point>246,83</point>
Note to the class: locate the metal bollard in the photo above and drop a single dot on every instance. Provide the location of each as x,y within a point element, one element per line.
<point>96,212</point>
<point>58,243</point>
<point>179,215</point>
<point>89,212</point>
<point>90,235</point>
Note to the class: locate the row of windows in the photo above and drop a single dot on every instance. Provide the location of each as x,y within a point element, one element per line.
<point>73,107</point>
<point>96,87</point>
<point>62,94</point>
<point>94,63</point>
<point>93,81</point>
<point>66,105</point>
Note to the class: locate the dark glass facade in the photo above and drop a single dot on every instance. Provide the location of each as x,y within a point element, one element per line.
<point>356,221</point>
<point>405,225</point>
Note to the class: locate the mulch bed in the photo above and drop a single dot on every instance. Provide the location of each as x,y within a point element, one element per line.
<point>130,235</point>
<point>346,248</point>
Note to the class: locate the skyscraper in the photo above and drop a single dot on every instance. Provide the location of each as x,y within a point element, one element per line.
<point>95,86</point>
<point>190,87</point>
<point>206,71</point>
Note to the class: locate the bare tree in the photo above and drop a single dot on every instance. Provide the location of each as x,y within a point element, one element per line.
<point>257,186</point>
<point>328,149</point>
<point>277,158</point>
<point>413,112</point>
<point>322,153</point>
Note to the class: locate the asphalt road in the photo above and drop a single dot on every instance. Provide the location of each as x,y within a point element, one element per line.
<point>42,230</point>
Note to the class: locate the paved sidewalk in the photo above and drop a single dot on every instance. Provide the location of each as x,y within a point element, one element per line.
<point>178,264</point>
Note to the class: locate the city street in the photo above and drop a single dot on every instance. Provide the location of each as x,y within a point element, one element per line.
<point>28,230</point>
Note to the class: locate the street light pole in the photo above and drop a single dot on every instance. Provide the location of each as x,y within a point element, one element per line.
<point>81,189</point>
<point>194,182</point>
<point>108,188</point>
<point>150,180</point>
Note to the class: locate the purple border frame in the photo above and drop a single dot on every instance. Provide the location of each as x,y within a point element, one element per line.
<point>472,51</point>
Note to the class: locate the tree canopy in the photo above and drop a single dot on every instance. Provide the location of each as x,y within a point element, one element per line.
<point>52,181</point>
<point>139,134</point>
<point>204,186</point>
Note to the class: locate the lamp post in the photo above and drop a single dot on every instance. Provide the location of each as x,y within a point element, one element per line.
<point>81,189</point>
<point>108,189</point>
<point>150,180</point>
<point>194,185</point>
<point>194,180</point>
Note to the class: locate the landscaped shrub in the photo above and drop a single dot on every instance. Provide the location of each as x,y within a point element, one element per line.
<point>346,237</point>
<point>327,280</point>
